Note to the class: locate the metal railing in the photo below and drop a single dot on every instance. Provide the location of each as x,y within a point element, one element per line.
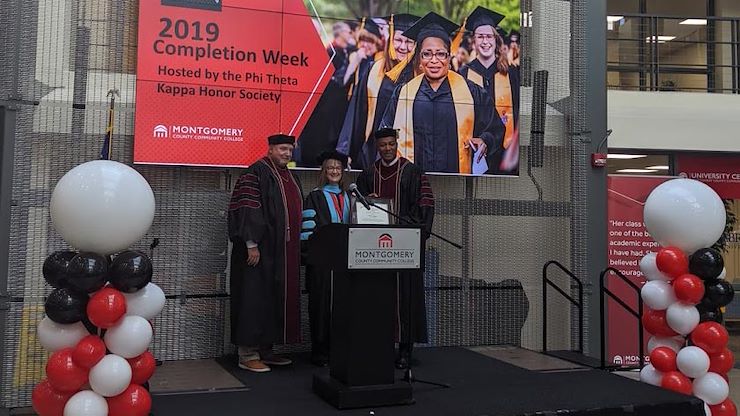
<point>673,53</point>
<point>578,304</point>
<point>604,291</point>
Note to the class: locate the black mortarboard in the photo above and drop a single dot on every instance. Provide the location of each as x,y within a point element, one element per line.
<point>333,155</point>
<point>481,17</point>
<point>371,26</point>
<point>402,21</point>
<point>385,132</point>
<point>431,25</point>
<point>281,139</point>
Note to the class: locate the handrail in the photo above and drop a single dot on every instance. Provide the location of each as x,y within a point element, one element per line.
<point>603,290</point>
<point>579,304</point>
<point>665,16</point>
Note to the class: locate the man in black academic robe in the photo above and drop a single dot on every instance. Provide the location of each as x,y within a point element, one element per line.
<point>264,227</point>
<point>394,177</point>
<point>489,66</point>
<point>445,122</point>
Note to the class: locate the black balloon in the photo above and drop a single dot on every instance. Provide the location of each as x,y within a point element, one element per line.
<point>131,271</point>
<point>718,293</point>
<point>88,272</point>
<point>707,263</point>
<point>56,268</point>
<point>711,315</point>
<point>66,306</point>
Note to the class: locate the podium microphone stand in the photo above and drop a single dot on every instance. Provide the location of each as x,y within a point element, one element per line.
<point>408,375</point>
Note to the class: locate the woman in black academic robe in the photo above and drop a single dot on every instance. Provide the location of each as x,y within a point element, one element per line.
<point>328,203</point>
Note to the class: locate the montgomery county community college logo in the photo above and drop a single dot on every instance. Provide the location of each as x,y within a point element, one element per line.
<point>618,360</point>
<point>161,131</point>
<point>195,4</point>
<point>385,241</point>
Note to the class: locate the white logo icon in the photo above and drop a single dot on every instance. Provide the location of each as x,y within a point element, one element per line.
<point>160,131</point>
<point>618,360</point>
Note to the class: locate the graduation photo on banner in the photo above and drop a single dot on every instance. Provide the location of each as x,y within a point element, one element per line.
<point>449,85</point>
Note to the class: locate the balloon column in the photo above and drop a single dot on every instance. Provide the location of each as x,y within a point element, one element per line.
<point>684,295</point>
<point>97,323</point>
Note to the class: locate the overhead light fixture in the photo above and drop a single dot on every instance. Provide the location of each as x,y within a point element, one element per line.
<point>694,22</point>
<point>636,171</point>
<point>658,167</point>
<point>624,156</point>
<point>660,39</point>
<point>612,19</point>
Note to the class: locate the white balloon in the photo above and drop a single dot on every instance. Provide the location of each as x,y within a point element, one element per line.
<point>102,206</point>
<point>130,337</point>
<point>682,318</point>
<point>658,295</point>
<point>649,268</point>
<point>712,388</point>
<point>650,375</point>
<point>146,302</point>
<point>686,214</point>
<point>674,343</point>
<point>693,362</point>
<point>54,336</point>
<point>86,403</point>
<point>110,376</point>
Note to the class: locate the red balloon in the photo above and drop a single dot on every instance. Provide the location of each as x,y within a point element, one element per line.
<point>47,401</point>
<point>726,408</point>
<point>135,401</point>
<point>712,337</point>
<point>64,375</point>
<point>672,261</point>
<point>689,289</point>
<point>142,368</point>
<point>656,324</point>
<point>89,351</point>
<point>106,307</point>
<point>677,382</point>
<point>663,359</point>
<point>722,363</point>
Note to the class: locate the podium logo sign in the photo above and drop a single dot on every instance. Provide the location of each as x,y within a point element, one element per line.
<point>384,248</point>
<point>385,241</point>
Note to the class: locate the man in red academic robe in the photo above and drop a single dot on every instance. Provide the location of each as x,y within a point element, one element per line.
<point>264,227</point>
<point>395,177</point>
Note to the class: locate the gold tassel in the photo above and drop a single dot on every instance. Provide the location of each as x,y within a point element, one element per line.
<point>457,41</point>
<point>391,49</point>
<point>395,72</point>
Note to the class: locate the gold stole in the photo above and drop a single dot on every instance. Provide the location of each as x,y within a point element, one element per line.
<point>374,81</point>
<point>504,103</point>
<point>475,77</point>
<point>464,115</point>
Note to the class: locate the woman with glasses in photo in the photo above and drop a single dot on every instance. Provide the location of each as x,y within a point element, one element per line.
<point>445,122</point>
<point>328,203</point>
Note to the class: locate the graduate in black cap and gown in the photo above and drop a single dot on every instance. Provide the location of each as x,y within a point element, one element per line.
<point>329,203</point>
<point>445,122</point>
<point>395,177</point>
<point>492,70</point>
<point>264,225</point>
<point>373,91</point>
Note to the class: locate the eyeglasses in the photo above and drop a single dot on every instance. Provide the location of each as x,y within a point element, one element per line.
<point>483,37</point>
<point>440,55</point>
<point>334,168</point>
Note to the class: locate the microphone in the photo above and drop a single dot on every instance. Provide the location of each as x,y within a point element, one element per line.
<point>353,190</point>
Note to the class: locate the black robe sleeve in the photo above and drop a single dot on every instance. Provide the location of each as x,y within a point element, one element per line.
<point>488,126</point>
<point>247,217</point>
<point>421,200</point>
<point>365,181</point>
<point>389,115</point>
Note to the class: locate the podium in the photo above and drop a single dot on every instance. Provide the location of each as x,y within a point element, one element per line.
<point>364,260</point>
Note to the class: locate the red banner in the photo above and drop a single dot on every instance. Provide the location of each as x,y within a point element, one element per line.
<point>629,241</point>
<point>215,78</point>
<point>721,173</point>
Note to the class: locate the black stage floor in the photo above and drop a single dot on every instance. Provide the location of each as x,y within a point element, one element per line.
<point>480,386</point>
